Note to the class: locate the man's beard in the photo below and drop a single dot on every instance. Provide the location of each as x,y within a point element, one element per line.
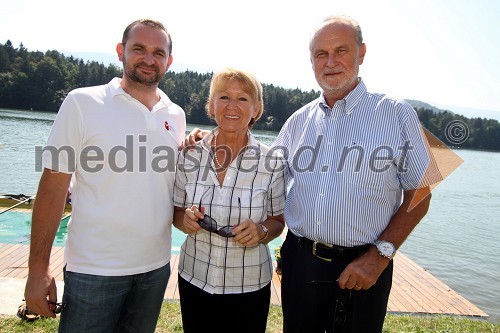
<point>134,75</point>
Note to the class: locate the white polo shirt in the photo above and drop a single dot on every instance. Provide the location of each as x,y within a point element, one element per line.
<point>123,156</point>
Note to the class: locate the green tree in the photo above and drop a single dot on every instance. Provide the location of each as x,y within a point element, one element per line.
<point>40,81</point>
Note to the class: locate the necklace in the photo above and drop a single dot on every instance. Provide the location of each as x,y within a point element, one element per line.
<point>219,165</point>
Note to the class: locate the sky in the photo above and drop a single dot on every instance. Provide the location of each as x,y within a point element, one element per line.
<point>442,52</point>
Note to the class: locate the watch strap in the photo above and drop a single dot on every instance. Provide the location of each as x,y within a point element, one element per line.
<point>266,232</point>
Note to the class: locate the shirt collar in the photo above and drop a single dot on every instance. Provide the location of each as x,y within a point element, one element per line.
<point>252,142</point>
<point>350,101</point>
<point>116,89</point>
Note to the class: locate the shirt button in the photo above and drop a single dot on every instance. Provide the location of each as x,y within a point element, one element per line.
<point>321,194</point>
<point>318,222</point>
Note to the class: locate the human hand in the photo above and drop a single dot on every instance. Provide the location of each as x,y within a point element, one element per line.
<point>38,287</point>
<point>195,135</point>
<point>364,271</point>
<point>190,221</point>
<point>248,233</point>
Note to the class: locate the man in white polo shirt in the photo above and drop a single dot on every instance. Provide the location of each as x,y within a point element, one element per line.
<point>120,140</point>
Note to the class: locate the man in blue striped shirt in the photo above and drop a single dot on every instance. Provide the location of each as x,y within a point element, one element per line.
<point>360,170</point>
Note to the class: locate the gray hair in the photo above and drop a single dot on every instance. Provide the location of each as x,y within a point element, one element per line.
<point>340,19</point>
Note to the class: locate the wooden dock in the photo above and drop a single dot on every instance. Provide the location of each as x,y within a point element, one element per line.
<point>414,290</point>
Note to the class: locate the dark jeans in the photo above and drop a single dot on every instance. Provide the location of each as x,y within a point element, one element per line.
<point>310,307</point>
<point>204,312</point>
<point>107,304</point>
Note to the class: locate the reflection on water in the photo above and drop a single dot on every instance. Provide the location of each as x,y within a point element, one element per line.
<point>20,133</point>
<point>458,241</point>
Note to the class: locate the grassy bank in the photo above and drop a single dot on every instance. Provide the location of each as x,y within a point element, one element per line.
<point>170,321</point>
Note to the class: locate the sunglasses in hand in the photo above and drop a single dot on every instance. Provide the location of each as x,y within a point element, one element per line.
<point>209,224</point>
<point>59,306</point>
<point>341,304</point>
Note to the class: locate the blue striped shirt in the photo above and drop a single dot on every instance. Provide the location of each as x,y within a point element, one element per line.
<point>348,166</point>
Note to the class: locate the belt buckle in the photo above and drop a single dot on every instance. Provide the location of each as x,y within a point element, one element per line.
<point>314,250</point>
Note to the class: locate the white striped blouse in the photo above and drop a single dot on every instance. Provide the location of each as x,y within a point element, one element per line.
<point>349,164</point>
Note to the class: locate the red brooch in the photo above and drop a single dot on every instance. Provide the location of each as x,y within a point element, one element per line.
<point>167,127</point>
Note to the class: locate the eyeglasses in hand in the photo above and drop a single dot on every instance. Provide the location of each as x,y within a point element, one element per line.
<point>59,306</point>
<point>340,312</point>
<point>209,224</point>
<point>341,304</point>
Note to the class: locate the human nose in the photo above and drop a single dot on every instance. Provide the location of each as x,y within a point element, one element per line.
<point>231,104</point>
<point>149,58</point>
<point>332,59</point>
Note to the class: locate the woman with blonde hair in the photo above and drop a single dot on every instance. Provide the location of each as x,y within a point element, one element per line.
<point>229,197</point>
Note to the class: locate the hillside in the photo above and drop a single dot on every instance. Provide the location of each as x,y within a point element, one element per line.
<point>41,80</point>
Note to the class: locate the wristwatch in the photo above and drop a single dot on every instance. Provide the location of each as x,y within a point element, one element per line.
<point>264,228</point>
<point>385,249</point>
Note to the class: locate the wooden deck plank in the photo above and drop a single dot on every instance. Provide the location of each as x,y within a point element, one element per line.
<point>174,275</point>
<point>401,288</point>
<point>7,250</point>
<point>20,264</point>
<point>426,293</point>
<point>276,284</point>
<point>172,282</point>
<point>57,263</point>
<point>429,292</point>
<point>3,246</point>
<point>414,290</point>
<point>439,291</point>
<point>12,254</point>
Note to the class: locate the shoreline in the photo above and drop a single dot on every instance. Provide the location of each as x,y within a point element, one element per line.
<point>414,290</point>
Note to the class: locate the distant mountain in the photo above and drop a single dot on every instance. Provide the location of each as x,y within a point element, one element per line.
<point>475,113</point>
<point>420,104</point>
<point>467,112</point>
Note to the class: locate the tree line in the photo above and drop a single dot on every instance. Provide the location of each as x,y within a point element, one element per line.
<point>35,80</point>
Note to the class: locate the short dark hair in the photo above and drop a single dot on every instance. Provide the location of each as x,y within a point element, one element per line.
<point>149,23</point>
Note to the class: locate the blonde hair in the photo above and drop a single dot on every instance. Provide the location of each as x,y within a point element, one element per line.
<point>249,84</point>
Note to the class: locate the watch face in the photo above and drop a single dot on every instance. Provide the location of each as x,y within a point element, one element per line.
<point>265,230</point>
<point>386,248</point>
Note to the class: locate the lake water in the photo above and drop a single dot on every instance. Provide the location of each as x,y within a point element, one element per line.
<point>458,241</point>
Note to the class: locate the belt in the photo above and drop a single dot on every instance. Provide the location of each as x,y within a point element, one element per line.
<point>328,252</point>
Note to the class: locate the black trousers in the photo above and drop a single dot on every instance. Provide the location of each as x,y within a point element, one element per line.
<point>204,312</point>
<point>309,307</point>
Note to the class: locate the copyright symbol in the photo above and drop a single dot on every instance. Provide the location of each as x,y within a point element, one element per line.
<point>457,132</point>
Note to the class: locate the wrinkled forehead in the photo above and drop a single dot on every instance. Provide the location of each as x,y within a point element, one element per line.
<point>333,32</point>
<point>145,35</point>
